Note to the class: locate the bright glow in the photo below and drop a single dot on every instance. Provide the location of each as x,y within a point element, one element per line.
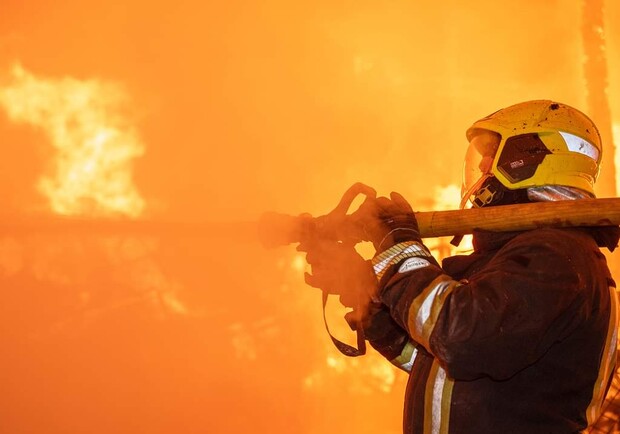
<point>337,363</point>
<point>384,374</point>
<point>299,263</point>
<point>616,141</point>
<point>253,107</point>
<point>448,198</point>
<point>95,144</point>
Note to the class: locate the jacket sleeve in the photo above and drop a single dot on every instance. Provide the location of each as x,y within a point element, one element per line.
<point>503,318</point>
<point>388,338</point>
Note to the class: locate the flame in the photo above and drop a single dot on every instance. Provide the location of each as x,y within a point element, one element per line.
<point>95,144</point>
<point>92,175</point>
<point>448,198</point>
<point>616,141</point>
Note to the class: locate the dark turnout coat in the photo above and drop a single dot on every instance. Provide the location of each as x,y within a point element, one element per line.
<point>518,337</point>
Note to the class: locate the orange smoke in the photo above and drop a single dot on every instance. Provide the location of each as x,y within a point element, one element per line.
<point>215,112</point>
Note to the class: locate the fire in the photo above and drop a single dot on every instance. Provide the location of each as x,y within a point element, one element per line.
<point>448,198</point>
<point>616,141</point>
<point>95,143</point>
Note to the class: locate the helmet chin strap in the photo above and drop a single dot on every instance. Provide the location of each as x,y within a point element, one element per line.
<point>472,194</point>
<point>473,190</point>
<point>491,192</point>
<point>486,195</point>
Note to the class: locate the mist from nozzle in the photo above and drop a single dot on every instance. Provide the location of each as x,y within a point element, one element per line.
<point>276,229</point>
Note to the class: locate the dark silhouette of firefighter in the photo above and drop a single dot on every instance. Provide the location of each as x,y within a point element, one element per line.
<point>518,337</point>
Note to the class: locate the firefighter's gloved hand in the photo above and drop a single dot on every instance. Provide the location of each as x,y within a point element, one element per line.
<point>389,221</point>
<point>338,269</point>
<point>380,329</point>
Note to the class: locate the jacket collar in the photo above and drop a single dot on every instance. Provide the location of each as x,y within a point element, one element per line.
<point>605,236</point>
<point>485,241</point>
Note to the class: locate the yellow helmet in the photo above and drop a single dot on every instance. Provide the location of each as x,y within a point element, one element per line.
<point>532,144</point>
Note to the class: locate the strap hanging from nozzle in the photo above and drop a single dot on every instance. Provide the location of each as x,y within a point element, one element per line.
<point>338,214</point>
<point>345,348</point>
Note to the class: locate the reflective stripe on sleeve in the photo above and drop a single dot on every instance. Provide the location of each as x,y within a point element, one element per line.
<point>406,358</point>
<point>425,308</point>
<point>396,253</point>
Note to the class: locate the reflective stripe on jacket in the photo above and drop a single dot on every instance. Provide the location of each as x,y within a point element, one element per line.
<point>518,337</point>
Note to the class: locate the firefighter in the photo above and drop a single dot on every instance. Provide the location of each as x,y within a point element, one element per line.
<point>519,336</point>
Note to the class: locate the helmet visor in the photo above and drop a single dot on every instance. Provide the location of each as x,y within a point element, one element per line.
<point>478,162</point>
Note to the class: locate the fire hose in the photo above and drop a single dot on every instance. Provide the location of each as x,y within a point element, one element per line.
<point>280,229</point>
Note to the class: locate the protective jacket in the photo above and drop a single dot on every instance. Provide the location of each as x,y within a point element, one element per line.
<point>518,337</point>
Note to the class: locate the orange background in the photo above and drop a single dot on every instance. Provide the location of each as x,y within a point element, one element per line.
<point>243,107</point>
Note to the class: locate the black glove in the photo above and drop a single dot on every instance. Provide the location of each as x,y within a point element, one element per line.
<point>388,221</point>
<point>380,329</point>
<point>338,269</point>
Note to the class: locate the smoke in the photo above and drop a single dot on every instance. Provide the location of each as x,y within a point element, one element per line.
<point>252,106</point>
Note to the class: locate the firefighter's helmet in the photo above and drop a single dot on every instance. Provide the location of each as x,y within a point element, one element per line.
<point>531,144</point>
